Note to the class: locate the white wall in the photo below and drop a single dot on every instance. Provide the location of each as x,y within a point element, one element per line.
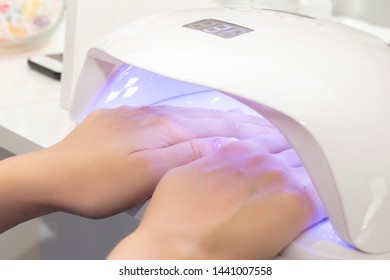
<point>374,11</point>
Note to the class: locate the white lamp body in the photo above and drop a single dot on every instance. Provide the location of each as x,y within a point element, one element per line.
<point>324,85</point>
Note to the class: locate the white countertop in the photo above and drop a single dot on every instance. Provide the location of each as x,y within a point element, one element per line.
<point>30,114</point>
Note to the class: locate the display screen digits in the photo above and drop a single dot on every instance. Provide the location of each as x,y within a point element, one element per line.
<point>219,28</point>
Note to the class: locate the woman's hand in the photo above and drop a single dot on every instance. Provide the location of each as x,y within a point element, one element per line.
<point>114,159</point>
<point>246,201</point>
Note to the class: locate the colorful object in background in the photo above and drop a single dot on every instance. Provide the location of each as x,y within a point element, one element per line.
<point>28,21</point>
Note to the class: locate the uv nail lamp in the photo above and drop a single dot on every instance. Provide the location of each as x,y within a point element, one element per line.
<point>324,85</point>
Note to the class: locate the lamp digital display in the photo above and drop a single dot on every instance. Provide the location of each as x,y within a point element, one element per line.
<point>219,28</point>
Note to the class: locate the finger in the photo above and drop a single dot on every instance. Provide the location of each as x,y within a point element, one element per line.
<point>208,127</point>
<point>252,152</point>
<point>301,176</point>
<point>249,156</point>
<point>273,143</point>
<point>192,112</point>
<point>197,123</point>
<point>165,159</point>
<point>290,158</point>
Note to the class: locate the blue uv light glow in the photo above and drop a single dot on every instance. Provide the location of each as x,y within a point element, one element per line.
<point>129,85</point>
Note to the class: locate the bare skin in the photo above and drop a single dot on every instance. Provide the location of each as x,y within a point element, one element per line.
<point>240,203</point>
<point>113,160</point>
<point>224,185</point>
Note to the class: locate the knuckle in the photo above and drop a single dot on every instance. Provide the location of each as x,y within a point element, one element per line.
<point>198,148</point>
<point>168,123</point>
<point>143,110</point>
<point>164,119</point>
<point>125,110</point>
<point>278,175</point>
<point>269,166</point>
<point>256,160</point>
<point>234,148</point>
<point>272,161</point>
<point>172,126</point>
<point>262,162</point>
<point>155,116</point>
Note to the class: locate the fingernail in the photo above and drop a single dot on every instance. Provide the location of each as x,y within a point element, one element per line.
<point>219,142</point>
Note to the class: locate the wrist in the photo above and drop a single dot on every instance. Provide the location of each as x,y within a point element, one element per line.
<point>23,197</point>
<point>152,245</point>
<point>32,179</point>
<point>52,176</point>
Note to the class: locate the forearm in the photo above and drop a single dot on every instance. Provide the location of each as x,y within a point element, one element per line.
<point>21,193</point>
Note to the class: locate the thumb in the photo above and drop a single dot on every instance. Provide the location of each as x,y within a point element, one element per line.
<point>186,152</point>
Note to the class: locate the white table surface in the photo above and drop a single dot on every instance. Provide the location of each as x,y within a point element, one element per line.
<point>30,114</point>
